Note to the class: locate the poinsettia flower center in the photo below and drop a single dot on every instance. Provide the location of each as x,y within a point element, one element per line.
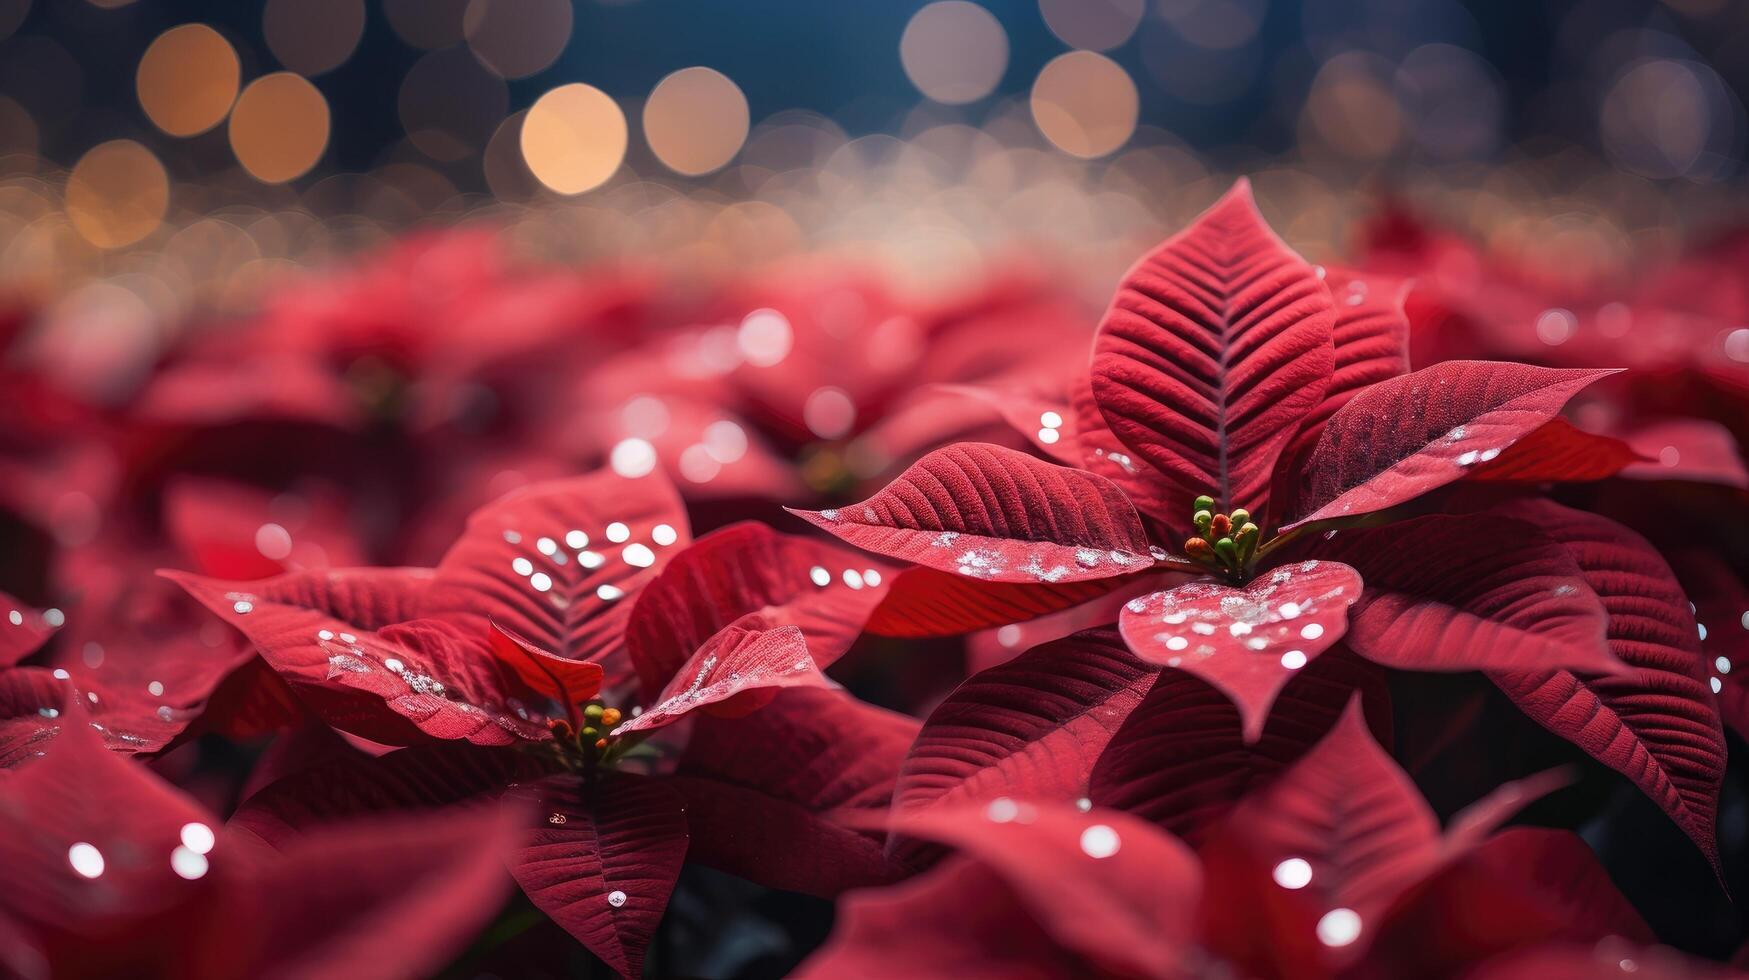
<point>1226,543</point>
<point>586,740</point>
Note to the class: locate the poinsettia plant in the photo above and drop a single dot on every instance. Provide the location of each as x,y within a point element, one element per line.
<point>1290,654</point>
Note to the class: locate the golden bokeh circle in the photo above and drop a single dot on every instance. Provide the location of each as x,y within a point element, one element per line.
<point>117,194</point>
<point>696,120</point>
<point>187,79</point>
<point>1085,104</point>
<point>574,138</point>
<point>279,127</point>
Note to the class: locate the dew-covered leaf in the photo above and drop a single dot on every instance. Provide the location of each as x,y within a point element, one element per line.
<point>1407,436</point>
<point>997,515</point>
<point>559,563</point>
<point>1249,640</point>
<point>825,590</point>
<point>1371,341</point>
<point>1558,451</point>
<point>1215,349</point>
<point>602,860</point>
<point>736,671</point>
<point>23,630</point>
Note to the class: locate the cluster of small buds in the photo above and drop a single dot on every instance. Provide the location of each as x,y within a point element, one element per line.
<point>598,722</point>
<point>1225,541</point>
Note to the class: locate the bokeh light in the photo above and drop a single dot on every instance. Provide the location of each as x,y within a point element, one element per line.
<point>1085,104</point>
<point>279,128</point>
<point>428,24</point>
<point>695,120</point>
<point>1093,25</point>
<point>954,52</point>
<point>516,38</point>
<point>573,138</point>
<point>312,36</point>
<point>117,194</point>
<point>450,104</point>
<point>188,79</point>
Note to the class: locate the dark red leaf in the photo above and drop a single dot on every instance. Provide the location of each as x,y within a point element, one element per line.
<point>1557,451</point>
<point>1216,348</point>
<point>1588,961</point>
<point>434,678</point>
<point>23,630</point>
<point>771,797</point>
<point>1688,449</point>
<point>1182,761</point>
<point>1104,884</point>
<point>997,515</point>
<point>924,602</point>
<point>825,590</point>
<point>1247,641</point>
<point>1371,340</point>
<point>736,671</point>
<point>1563,872</point>
<point>1656,722</point>
<point>603,859</point>
<point>1407,436</point>
<point>31,702</point>
<point>560,562</point>
<point>568,682</point>
<point>1029,729</point>
<point>959,921</point>
<point>1470,592</point>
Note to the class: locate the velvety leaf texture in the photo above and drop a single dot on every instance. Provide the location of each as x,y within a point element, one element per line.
<point>1406,436</point>
<point>1215,349</point>
<point>1555,451</point>
<point>1470,592</point>
<point>1371,340</point>
<point>737,665</point>
<point>1031,728</point>
<point>997,515</point>
<point>825,590</point>
<point>602,862</point>
<point>923,602</point>
<point>1182,761</point>
<point>1657,722</point>
<point>559,563</point>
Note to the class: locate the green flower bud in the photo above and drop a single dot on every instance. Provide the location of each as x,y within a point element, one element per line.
<point>1241,517</point>
<point>1202,520</point>
<point>1228,551</point>
<point>1204,502</point>
<point>593,713</point>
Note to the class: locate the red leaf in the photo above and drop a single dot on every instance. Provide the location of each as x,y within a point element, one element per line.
<point>1215,349</point>
<point>1042,415</point>
<point>923,602</point>
<point>414,889</point>
<point>1688,449</point>
<point>569,682</point>
<point>31,702</point>
<point>434,678</point>
<point>1247,641</point>
<point>603,860</point>
<point>1031,728</point>
<point>1352,818</point>
<point>1470,592</point>
<point>1588,961</point>
<point>1371,340</point>
<point>1558,451</point>
<point>997,515</point>
<point>825,590</point>
<point>1103,883</point>
<point>1182,761</point>
<point>959,920</point>
<point>1656,722</point>
<point>1558,866</point>
<point>1407,436</point>
<point>23,630</point>
<point>769,797</point>
<point>736,671</point>
<point>560,562</point>
<point>111,871</point>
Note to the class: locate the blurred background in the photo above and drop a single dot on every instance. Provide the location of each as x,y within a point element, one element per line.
<point>192,153</point>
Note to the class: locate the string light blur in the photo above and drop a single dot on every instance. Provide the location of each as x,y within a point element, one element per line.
<point>187,79</point>
<point>279,127</point>
<point>574,138</point>
<point>695,121</point>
